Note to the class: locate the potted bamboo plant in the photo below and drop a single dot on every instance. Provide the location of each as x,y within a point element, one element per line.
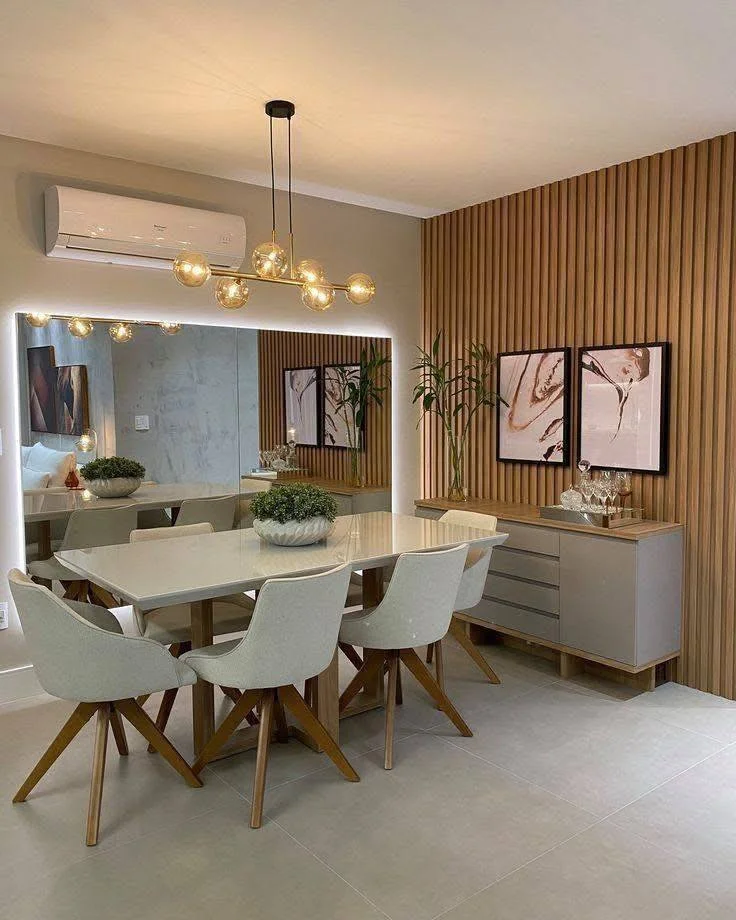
<point>455,390</point>
<point>353,393</point>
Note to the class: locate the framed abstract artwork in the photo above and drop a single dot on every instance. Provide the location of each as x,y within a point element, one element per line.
<point>58,396</point>
<point>301,405</point>
<point>623,406</point>
<point>337,422</point>
<point>533,423</point>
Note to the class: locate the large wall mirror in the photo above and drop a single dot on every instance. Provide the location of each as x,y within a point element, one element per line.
<point>207,411</point>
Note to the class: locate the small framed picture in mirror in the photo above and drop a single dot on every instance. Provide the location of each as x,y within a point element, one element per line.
<point>301,405</point>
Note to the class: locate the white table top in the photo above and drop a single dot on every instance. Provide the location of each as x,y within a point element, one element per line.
<point>194,568</point>
<point>56,506</point>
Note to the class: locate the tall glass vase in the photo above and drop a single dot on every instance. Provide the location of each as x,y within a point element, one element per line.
<point>357,477</point>
<point>457,491</point>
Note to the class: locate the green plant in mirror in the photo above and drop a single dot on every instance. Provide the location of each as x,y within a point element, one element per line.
<point>113,468</point>
<point>296,501</point>
<point>355,392</point>
<point>455,390</point>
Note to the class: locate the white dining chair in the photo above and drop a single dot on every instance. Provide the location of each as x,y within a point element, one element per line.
<point>220,512</point>
<point>291,639</point>
<point>171,626</point>
<point>469,595</point>
<point>86,528</point>
<point>101,670</point>
<point>415,611</point>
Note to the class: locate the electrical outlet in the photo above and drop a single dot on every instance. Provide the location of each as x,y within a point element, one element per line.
<point>3,614</point>
<point>141,423</point>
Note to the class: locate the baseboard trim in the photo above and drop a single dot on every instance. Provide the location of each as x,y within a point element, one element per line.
<point>19,684</point>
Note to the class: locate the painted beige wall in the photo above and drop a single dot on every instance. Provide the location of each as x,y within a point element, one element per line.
<point>344,237</point>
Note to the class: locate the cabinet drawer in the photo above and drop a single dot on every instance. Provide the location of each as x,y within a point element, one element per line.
<point>525,565</point>
<point>529,622</point>
<point>524,593</point>
<point>534,539</point>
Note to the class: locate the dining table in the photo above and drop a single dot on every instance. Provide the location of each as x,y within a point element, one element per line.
<point>42,506</point>
<point>196,570</point>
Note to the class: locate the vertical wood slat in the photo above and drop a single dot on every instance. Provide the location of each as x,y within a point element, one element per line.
<point>280,350</point>
<point>642,251</point>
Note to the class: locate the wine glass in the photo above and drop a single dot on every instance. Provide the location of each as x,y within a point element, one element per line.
<point>623,482</point>
<point>600,492</point>
<point>608,487</point>
<point>585,487</point>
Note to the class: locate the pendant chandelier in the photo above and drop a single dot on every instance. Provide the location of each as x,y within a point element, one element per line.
<point>269,260</point>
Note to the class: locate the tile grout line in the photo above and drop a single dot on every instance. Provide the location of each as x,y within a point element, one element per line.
<point>329,868</point>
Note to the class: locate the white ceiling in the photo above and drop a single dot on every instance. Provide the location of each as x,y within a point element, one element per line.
<point>416,106</point>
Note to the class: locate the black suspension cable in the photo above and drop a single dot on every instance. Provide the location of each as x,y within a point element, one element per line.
<point>273,181</point>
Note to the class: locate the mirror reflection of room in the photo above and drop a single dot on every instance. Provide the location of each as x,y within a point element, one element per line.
<point>200,419</point>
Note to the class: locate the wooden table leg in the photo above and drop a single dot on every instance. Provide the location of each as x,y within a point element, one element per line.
<point>44,539</point>
<point>203,694</point>
<point>325,704</point>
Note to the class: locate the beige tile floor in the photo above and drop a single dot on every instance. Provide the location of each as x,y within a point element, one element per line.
<point>574,799</point>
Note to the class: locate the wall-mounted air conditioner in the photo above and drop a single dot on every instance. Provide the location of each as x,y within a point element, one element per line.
<point>131,231</point>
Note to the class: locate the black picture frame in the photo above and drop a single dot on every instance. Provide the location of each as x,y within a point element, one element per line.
<point>325,397</point>
<point>501,454</point>
<point>317,405</point>
<point>622,393</point>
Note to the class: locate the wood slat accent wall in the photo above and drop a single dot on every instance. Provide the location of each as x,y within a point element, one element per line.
<point>280,350</point>
<point>643,251</point>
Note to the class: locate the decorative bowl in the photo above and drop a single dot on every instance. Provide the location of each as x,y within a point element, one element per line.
<point>113,488</point>
<point>293,533</point>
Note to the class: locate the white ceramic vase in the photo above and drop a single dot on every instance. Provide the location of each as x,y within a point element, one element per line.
<point>118,487</point>
<point>293,533</point>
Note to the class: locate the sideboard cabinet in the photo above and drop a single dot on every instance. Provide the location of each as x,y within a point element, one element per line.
<point>613,597</point>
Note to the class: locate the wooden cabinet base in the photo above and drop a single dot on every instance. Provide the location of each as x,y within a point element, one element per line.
<point>572,662</point>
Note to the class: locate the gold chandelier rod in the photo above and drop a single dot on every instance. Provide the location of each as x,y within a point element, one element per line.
<point>247,276</point>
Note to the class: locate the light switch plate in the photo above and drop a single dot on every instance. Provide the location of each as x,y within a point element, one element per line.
<point>3,614</point>
<point>141,423</point>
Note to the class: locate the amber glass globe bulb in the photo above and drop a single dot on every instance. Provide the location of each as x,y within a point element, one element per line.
<point>231,293</point>
<point>361,288</point>
<point>309,271</point>
<point>270,261</point>
<point>170,328</point>
<point>318,297</point>
<point>121,332</point>
<point>79,327</point>
<point>38,320</point>
<point>191,269</point>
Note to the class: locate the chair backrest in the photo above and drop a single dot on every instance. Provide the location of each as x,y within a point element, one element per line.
<point>478,562</point>
<point>77,660</point>
<point>220,512</point>
<point>420,598</point>
<point>170,533</point>
<point>99,527</point>
<point>293,633</point>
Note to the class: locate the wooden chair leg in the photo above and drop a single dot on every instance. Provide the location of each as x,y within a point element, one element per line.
<point>457,631</point>
<point>393,671</point>
<point>228,725</point>
<point>399,690</point>
<point>264,742</point>
<point>101,596</point>
<point>316,730</point>
<point>141,721</point>
<point>98,774</point>
<point>231,693</point>
<point>417,667</point>
<point>71,728</point>
<point>372,666</point>
<point>350,653</point>
<point>142,700</point>
<point>164,711</point>
<point>282,727</point>
<point>430,653</point>
<point>118,732</point>
<point>439,665</point>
